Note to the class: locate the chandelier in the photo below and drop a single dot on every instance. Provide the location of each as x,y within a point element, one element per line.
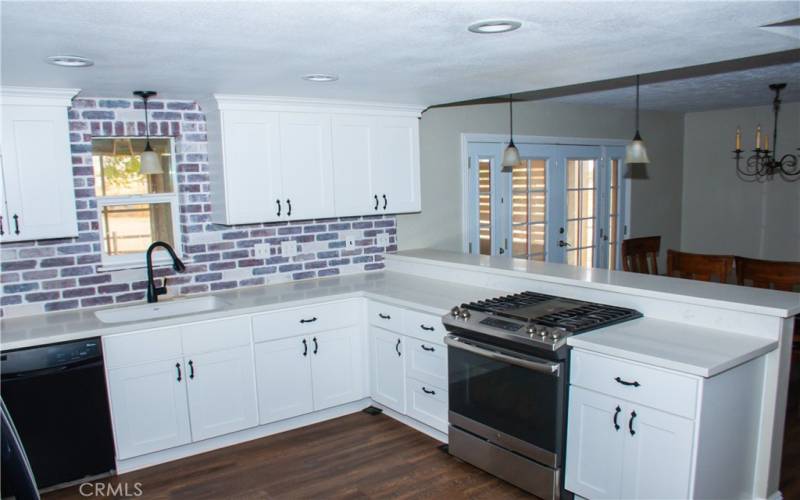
<point>764,163</point>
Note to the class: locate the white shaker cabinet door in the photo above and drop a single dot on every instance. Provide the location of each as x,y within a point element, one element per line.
<point>149,407</point>
<point>388,376</point>
<point>222,392</point>
<point>336,367</point>
<point>658,454</point>
<point>37,174</point>
<point>306,165</point>
<point>595,444</point>
<point>352,137</point>
<point>395,164</point>
<point>283,371</point>
<point>252,167</point>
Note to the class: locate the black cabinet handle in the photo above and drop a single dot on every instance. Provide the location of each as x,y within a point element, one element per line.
<point>427,328</point>
<point>279,207</point>
<point>616,414</point>
<point>397,347</point>
<point>316,346</point>
<point>313,319</point>
<point>178,367</point>
<point>289,202</point>
<point>426,391</point>
<point>16,224</point>
<point>426,348</point>
<point>376,202</point>
<point>384,316</point>
<point>385,202</point>
<point>625,382</point>
<point>630,423</point>
<point>305,348</point>
<point>191,369</point>
<point>1,226</point>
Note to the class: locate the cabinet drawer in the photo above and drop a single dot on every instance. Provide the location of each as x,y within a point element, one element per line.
<point>302,320</point>
<point>424,326</point>
<point>426,361</point>
<point>128,349</point>
<point>649,386</point>
<point>216,335</point>
<point>386,316</point>
<point>427,403</point>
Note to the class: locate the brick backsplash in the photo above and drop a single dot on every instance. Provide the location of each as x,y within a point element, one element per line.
<point>54,275</point>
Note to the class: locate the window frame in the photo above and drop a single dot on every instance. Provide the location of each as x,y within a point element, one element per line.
<point>137,260</point>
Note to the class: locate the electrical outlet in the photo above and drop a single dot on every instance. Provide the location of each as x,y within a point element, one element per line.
<point>383,240</point>
<point>262,250</point>
<point>350,240</point>
<point>289,248</point>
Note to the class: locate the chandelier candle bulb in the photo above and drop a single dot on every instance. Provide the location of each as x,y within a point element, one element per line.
<point>758,137</point>
<point>738,138</point>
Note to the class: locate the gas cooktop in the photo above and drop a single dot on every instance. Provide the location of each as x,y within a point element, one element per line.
<point>531,317</point>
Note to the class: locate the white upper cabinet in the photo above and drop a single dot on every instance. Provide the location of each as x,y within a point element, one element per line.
<point>277,158</point>
<point>39,194</point>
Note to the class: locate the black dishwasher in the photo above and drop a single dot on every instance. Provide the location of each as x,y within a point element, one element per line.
<point>56,396</point>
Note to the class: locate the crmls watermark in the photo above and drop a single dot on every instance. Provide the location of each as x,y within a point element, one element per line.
<point>111,490</point>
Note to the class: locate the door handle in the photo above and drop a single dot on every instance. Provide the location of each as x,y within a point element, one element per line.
<point>313,319</point>
<point>289,203</point>
<point>426,348</point>
<point>16,224</point>
<point>427,328</point>
<point>191,369</point>
<point>625,382</point>
<point>616,414</point>
<point>630,423</point>
<point>385,202</point>
<point>1,226</point>
<point>397,347</point>
<point>426,391</point>
<point>178,367</point>
<point>487,352</point>
<point>384,316</point>
<point>305,348</point>
<point>279,207</point>
<point>376,202</point>
<point>563,243</point>
<point>316,346</point>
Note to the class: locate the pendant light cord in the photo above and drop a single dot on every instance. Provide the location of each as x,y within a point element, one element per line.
<point>146,120</point>
<point>511,118</point>
<point>637,103</point>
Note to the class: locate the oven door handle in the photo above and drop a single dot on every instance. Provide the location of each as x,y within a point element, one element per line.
<point>547,368</point>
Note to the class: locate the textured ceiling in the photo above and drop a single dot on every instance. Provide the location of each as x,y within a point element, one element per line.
<point>727,90</point>
<point>393,51</point>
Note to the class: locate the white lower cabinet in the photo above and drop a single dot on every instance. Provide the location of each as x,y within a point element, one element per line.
<point>149,407</point>
<point>336,367</point>
<point>387,369</point>
<point>427,403</point>
<point>283,370</point>
<point>222,392</point>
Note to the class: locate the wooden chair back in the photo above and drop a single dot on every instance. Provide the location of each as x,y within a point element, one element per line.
<point>697,266</point>
<point>640,255</point>
<point>768,274</point>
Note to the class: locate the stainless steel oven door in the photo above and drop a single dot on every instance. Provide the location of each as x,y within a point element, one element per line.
<point>512,399</point>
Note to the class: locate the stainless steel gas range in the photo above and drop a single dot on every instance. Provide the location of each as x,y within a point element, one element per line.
<point>508,379</point>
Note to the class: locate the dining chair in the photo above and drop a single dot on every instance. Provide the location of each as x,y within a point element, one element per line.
<point>697,266</point>
<point>640,255</point>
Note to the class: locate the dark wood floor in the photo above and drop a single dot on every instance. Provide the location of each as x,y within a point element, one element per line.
<point>357,456</point>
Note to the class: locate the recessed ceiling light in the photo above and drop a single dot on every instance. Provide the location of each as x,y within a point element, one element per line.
<point>492,26</point>
<point>318,77</point>
<point>70,61</point>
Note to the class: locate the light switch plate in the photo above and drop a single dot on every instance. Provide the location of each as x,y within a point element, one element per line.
<point>262,250</point>
<point>289,248</point>
<point>383,240</point>
<point>350,240</point>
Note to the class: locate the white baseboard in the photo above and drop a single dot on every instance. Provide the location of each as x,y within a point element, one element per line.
<point>414,424</point>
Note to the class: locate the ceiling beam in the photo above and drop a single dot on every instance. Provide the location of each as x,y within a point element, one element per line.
<point>700,70</point>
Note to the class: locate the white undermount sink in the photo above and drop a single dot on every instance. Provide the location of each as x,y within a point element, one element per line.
<point>176,307</point>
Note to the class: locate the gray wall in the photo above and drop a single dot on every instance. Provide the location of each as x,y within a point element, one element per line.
<point>655,202</point>
<point>724,214</point>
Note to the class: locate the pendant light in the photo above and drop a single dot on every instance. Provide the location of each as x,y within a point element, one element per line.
<point>150,162</point>
<point>511,154</point>
<point>636,153</point>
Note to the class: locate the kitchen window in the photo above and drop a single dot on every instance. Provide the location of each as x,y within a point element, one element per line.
<point>135,209</point>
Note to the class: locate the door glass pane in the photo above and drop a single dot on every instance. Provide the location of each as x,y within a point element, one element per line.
<point>581,215</point>
<point>131,228</point>
<point>116,163</point>
<point>485,206</point>
<point>529,197</point>
<point>613,213</point>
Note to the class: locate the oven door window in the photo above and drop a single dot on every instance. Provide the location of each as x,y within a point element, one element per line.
<point>508,398</point>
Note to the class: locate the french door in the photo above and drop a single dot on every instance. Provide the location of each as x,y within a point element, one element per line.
<point>561,203</point>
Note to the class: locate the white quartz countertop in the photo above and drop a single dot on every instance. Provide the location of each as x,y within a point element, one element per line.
<point>740,298</point>
<point>433,296</point>
<point>689,349</point>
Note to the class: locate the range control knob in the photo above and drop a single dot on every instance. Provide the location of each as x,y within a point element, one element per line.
<point>531,331</point>
<point>557,333</point>
<point>455,312</point>
<point>543,332</point>
<point>465,314</point>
